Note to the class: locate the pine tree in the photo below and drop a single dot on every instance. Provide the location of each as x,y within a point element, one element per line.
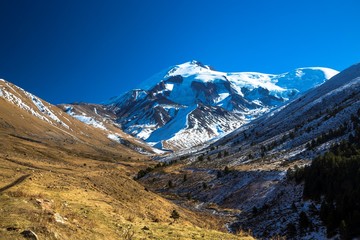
<point>304,222</point>
<point>343,230</point>
<point>254,210</point>
<point>291,230</point>
<point>226,170</point>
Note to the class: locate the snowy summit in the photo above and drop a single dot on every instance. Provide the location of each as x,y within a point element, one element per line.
<point>191,103</point>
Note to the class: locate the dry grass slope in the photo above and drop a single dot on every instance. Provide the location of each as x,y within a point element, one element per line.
<point>93,201</point>
<point>78,184</point>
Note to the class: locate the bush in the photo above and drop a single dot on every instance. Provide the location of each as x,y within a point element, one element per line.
<point>184,178</point>
<point>254,210</point>
<point>304,222</point>
<point>291,229</point>
<point>175,215</point>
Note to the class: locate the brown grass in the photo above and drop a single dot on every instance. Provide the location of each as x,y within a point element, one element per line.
<point>99,200</point>
<point>81,187</point>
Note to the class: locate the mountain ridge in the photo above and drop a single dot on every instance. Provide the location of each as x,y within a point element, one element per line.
<point>313,114</point>
<point>53,119</point>
<point>240,96</point>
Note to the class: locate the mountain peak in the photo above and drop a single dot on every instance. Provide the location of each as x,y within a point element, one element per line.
<point>183,69</point>
<point>195,62</point>
<point>187,68</point>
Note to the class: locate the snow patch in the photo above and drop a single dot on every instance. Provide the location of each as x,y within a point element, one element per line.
<point>172,127</point>
<point>158,151</point>
<point>169,86</point>
<point>45,110</point>
<point>142,131</point>
<point>114,137</point>
<point>222,96</point>
<point>85,119</point>
<point>299,73</point>
<point>90,121</point>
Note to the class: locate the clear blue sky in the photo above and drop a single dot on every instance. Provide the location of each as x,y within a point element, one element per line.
<point>86,50</point>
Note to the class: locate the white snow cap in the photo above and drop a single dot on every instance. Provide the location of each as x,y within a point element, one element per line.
<point>328,72</point>
<point>200,72</point>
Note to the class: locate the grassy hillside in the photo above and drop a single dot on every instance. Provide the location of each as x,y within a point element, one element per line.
<point>89,200</point>
<point>77,184</point>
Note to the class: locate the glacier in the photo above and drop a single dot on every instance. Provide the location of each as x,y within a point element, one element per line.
<point>191,103</point>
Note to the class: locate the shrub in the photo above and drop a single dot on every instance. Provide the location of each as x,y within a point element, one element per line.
<point>170,184</point>
<point>184,178</point>
<point>175,215</point>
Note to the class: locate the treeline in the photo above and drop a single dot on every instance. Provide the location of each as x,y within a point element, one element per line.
<point>337,179</point>
<point>147,170</point>
<point>334,180</point>
<point>323,138</point>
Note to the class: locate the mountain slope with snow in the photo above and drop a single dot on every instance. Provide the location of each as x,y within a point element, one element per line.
<point>304,128</point>
<point>27,116</point>
<point>99,117</point>
<point>191,103</point>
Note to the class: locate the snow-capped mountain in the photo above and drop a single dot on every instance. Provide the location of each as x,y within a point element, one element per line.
<point>191,103</point>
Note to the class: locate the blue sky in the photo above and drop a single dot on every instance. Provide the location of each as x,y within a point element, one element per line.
<point>86,50</point>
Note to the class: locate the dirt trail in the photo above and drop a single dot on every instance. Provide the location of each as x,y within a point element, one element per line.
<point>16,182</point>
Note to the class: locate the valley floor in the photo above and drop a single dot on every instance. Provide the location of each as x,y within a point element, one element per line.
<point>255,197</point>
<point>57,195</point>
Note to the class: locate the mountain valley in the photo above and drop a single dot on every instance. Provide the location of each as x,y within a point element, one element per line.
<point>219,152</point>
<point>63,179</point>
